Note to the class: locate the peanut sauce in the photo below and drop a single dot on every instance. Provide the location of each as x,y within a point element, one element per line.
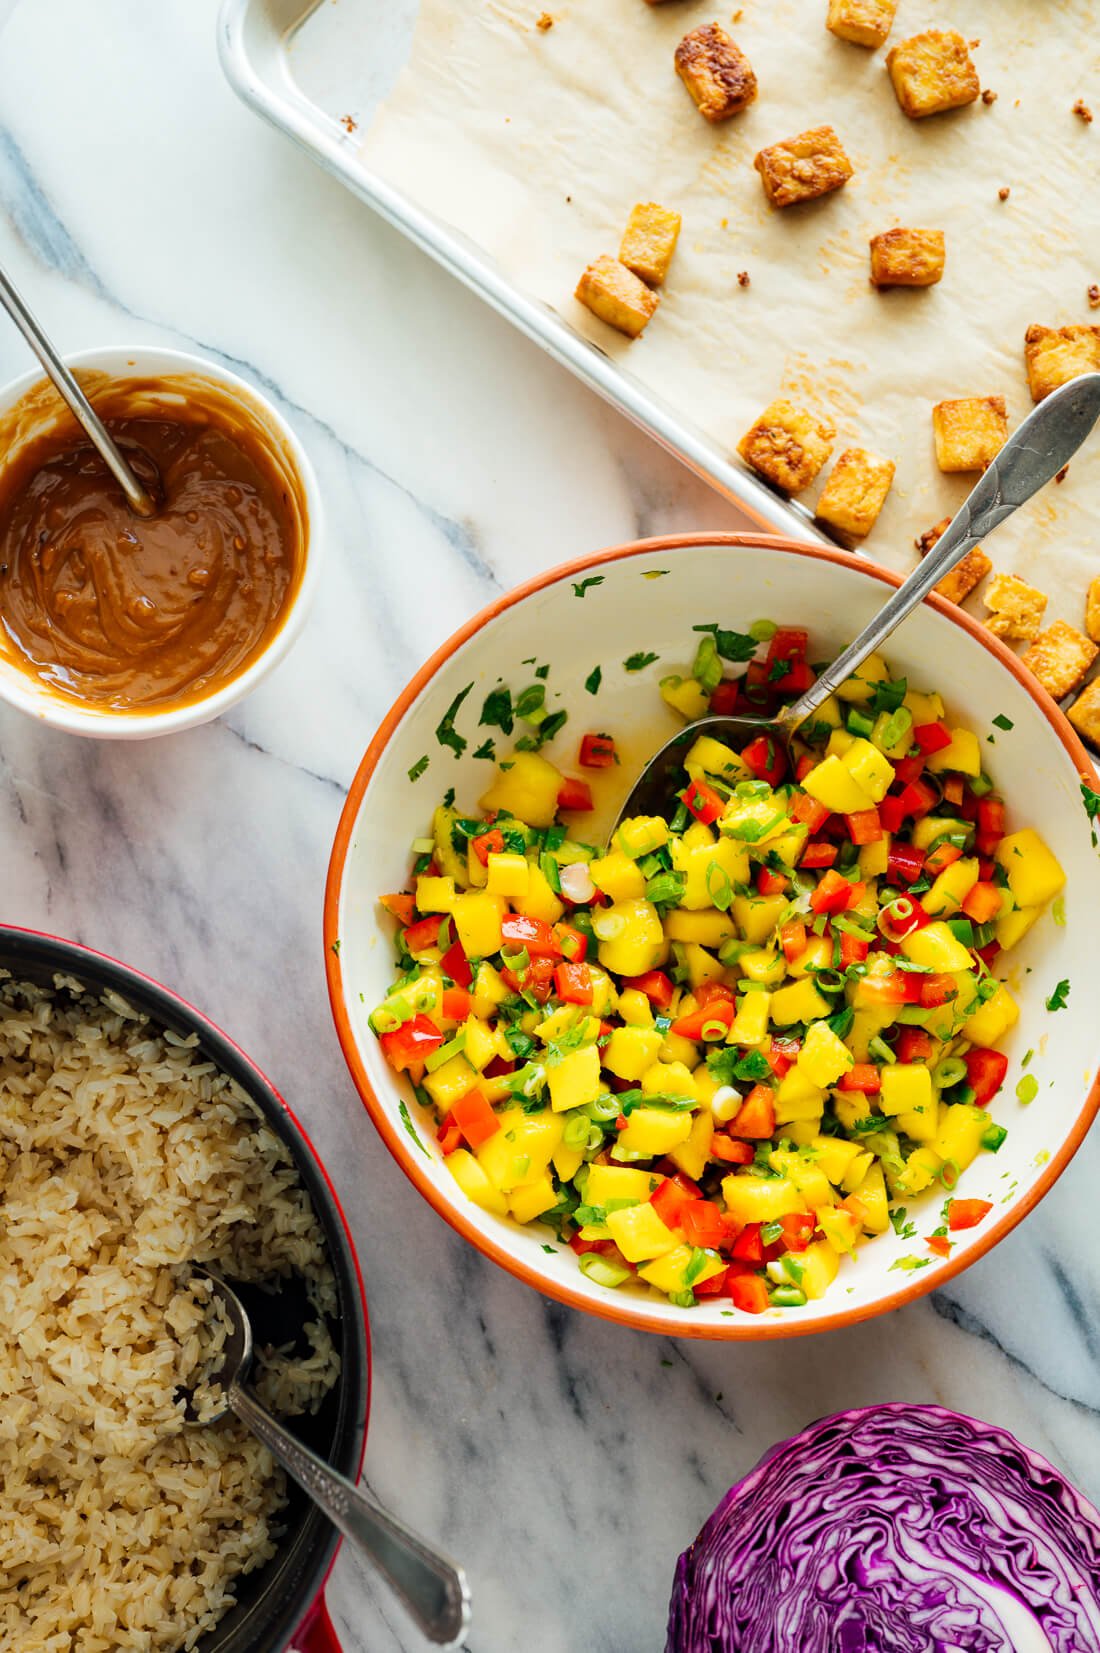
<point>124,614</point>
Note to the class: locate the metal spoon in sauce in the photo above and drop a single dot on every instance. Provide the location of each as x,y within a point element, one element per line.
<point>139,499</point>
<point>433,1589</point>
<point>1034,453</point>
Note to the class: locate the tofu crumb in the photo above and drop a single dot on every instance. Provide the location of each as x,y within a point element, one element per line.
<point>743,278</point>
<point>1093,296</point>
<point>349,123</point>
<point>544,22</point>
<point>1082,109</point>
<point>989,97</point>
<point>1003,193</point>
<point>1060,476</point>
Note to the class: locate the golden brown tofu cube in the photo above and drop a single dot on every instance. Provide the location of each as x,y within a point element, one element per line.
<point>716,72</point>
<point>1061,659</point>
<point>932,72</point>
<point>650,241</point>
<point>969,432</point>
<point>617,296</point>
<point>958,585</point>
<point>787,445</point>
<point>1015,608</point>
<point>907,258</point>
<point>1092,610</point>
<point>802,168</point>
<point>1054,355</point>
<point>864,22</point>
<point>855,493</point>
<point>1084,714</point>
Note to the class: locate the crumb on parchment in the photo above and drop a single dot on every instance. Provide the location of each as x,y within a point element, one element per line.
<point>1082,109</point>
<point>989,96</point>
<point>1003,193</point>
<point>544,22</point>
<point>743,278</point>
<point>1093,296</point>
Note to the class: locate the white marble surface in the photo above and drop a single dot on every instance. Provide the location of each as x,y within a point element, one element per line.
<point>565,1462</point>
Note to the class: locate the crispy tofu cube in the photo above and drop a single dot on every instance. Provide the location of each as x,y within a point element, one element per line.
<point>617,296</point>
<point>907,258</point>
<point>1054,355</point>
<point>716,72</point>
<point>1015,608</point>
<point>963,578</point>
<point>1084,714</point>
<point>787,445</point>
<point>802,168</point>
<point>863,22</point>
<point>1092,610</point>
<point>855,493</point>
<point>970,432</point>
<point>649,242</point>
<point>932,72</point>
<point>1061,658</point>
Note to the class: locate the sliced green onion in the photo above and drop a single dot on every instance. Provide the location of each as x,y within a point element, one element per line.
<point>878,1048</point>
<point>770,1233</point>
<point>788,1297</point>
<point>667,886</point>
<point>453,1047</point>
<point>1028,1089</point>
<point>699,1261</point>
<point>719,887</point>
<point>859,723</point>
<point>949,1072</point>
<point>682,1299</point>
<point>762,631</point>
<point>962,929</point>
<point>602,1271</point>
<point>575,1134</point>
<point>895,729</point>
<point>423,846</point>
<point>707,669</point>
<point>981,785</point>
<point>829,981</point>
<point>603,1107</point>
<point>993,1136</point>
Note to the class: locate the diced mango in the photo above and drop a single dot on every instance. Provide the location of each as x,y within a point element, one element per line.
<point>838,743</point>
<point>670,1079</point>
<point>651,1132</point>
<point>604,996</point>
<point>871,770</point>
<point>840,1228</point>
<point>709,929</point>
<point>756,916</point>
<point>818,955</point>
<point>930,827</point>
<point>922,1124</point>
<point>435,895</point>
<point>961,1132</point>
<point>685,696</point>
<point>963,755</point>
<point>447,858</point>
<point>1014,925</point>
<point>630,1051</point>
<point>575,1080</point>
<point>874,858</point>
<point>540,900</point>
<point>790,844</point>
<point>451,1082</point>
<point>489,989</point>
<point>668,1273</point>
<point>1034,875</point>
<point>764,966</point>
<point>823,1057</point>
<point>618,876</point>
<point>528,789</point>
<point>820,1265</point>
<point>835,1156</point>
<point>800,1002</point>
<point>708,756</point>
<point>474,1183</point>
<point>871,1194</point>
<point>756,1200</point>
<point>692,1155</point>
<point>631,940</point>
<point>858,1169</point>
<point>477,916</point>
<point>807,1176</point>
<point>992,1020</point>
<point>906,1086</point>
<point>531,1199</point>
<point>618,1182</point>
<point>634,1008</point>
<point>937,947</point>
<point>639,1233</point>
<point>701,965</point>
<point>750,1025</point>
<point>833,785</point>
<point>641,835</point>
<point>522,1148</point>
<point>921,1170</point>
<point>952,887</point>
<point>926,708</point>
<point>507,874</point>
<point>567,1161</point>
<point>859,688</point>
<point>709,868</point>
<point>798,1098</point>
<point>481,1043</point>
<point>756,820</point>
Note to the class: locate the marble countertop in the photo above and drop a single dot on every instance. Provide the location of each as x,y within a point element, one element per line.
<point>564,1461</point>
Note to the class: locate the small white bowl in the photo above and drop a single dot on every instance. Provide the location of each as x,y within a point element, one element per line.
<point>20,688</point>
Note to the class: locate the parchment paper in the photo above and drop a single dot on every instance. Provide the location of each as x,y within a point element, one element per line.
<point>536,145</point>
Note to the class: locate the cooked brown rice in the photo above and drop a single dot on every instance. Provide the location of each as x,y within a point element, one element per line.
<point>124,1158</point>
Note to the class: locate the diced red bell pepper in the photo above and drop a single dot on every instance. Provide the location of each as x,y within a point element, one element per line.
<point>716,1017</point>
<point>455,1004</point>
<point>597,752</point>
<point>497,1068</point>
<point>943,856</point>
<point>807,810</point>
<point>708,991</point>
<point>983,903</point>
<point>731,1153</point>
<point>988,955</point>
<point>410,1043</point>
<point>835,894</point>
<point>668,1200</point>
<point>402,906</point>
<point>864,827</point>
<point>573,983</point>
<point>937,989</point>
<point>985,1073</point>
<point>573,943</point>
<point>423,934</point>
<point>907,770</point>
<point>657,987</point>
<point>913,1045</point>
<point>886,989</point>
<point>853,949</point>
<point>802,768</point>
<point>475,1118</point>
<point>904,864</point>
<point>749,1293</point>
<point>574,795</point>
<point>795,680</point>
<point>703,1224</point>
<point>455,964</point>
<point>702,801</point>
<point>748,1246</point>
<point>668,1168</point>
<point>900,917</point>
<point>756,1116</point>
<point>781,1055</point>
<point>713,1286</point>
<point>533,933</point>
<point>991,824</point>
<point>967,1213</point>
<point>723,700</point>
<point>932,737</point>
<point>863,1076</point>
<point>769,882</point>
<point>488,843</point>
<point>788,643</point>
<point>792,939</point>
<point>818,854</point>
<point>891,814</point>
<point>917,799</point>
<point>766,759</point>
<point>954,791</point>
<point>798,1229</point>
<point>449,1136</point>
<point>583,1247</point>
<point>968,809</point>
<point>939,1243</point>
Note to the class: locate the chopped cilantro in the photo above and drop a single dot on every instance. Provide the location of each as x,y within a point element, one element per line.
<point>1091,801</point>
<point>418,768</point>
<point>445,732</point>
<point>546,730</point>
<point>1057,1000</point>
<point>639,662</point>
<point>486,750</point>
<point>551,1249</point>
<point>735,646</point>
<point>594,679</point>
<point>448,797</point>
<point>497,710</point>
<point>841,1023</point>
<point>654,573</point>
<point>1002,722</point>
<point>580,587</point>
<point>727,1066</point>
<point>403,1110</point>
<point>903,1229</point>
<point>910,1263</point>
<point>542,672</point>
<point>530,703</point>
<point>336,947</point>
<point>1028,1054</point>
<point>887,697</point>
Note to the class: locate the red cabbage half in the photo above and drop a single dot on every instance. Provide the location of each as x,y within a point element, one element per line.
<point>894,1529</point>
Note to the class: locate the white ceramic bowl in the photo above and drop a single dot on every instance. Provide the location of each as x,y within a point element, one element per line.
<point>649,597</point>
<point>19,688</point>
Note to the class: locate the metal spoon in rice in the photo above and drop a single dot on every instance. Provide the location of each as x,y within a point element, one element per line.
<point>433,1589</point>
<point>1034,453</point>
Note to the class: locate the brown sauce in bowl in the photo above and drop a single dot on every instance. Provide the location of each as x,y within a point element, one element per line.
<point>128,615</point>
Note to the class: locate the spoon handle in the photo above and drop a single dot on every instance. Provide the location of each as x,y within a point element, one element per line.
<point>139,499</point>
<point>1034,453</point>
<point>433,1589</point>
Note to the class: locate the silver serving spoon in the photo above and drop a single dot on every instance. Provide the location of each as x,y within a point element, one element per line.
<point>433,1589</point>
<point>1033,454</point>
<point>139,499</point>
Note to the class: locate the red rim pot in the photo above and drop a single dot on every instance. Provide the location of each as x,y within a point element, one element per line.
<point>281,1602</point>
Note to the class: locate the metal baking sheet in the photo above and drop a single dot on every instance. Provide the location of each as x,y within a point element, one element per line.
<point>303,67</point>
